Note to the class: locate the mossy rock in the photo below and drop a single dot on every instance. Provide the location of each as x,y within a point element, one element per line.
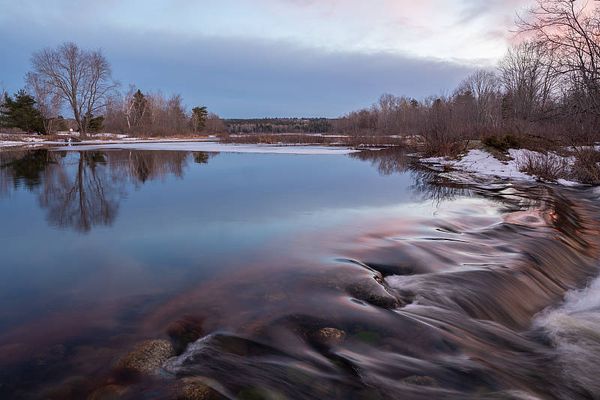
<point>147,357</point>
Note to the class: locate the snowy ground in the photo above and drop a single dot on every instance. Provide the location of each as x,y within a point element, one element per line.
<point>481,164</point>
<point>217,147</point>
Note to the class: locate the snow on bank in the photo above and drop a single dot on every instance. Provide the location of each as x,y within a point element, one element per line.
<point>482,164</point>
<point>217,147</point>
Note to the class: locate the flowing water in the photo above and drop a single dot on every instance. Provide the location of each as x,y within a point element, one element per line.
<point>278,276</point>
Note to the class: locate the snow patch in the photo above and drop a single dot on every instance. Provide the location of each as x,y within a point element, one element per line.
<point>482,164</point>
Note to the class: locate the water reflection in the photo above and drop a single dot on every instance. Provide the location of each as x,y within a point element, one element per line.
<point>277,276</point>
<point>23,168</point>
<point>387,161</point>
<point>429,184</point>
<point>83,189</point>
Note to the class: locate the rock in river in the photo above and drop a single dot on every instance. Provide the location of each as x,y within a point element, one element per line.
<point>147,357</point>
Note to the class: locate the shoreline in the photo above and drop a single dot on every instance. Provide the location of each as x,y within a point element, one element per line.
<point>475,165</point>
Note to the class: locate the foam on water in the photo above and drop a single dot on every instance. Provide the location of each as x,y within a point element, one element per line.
<point>574,331</point>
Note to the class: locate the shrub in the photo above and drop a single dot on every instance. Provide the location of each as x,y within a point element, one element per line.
<point>586,168</point>
<point>544,166</point>
<point>502,143</point>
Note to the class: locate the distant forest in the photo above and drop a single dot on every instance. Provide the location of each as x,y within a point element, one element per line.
<point>280,125</point>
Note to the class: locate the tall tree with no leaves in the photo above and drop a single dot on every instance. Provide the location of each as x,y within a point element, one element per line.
<point>570,29</point>
<point>80,77</point>
<point>530,81</point>
<point>48,102</point>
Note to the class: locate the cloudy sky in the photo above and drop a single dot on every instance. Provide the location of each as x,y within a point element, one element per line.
<point>255,58</point>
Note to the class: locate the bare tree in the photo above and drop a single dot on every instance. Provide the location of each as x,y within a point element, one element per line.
<point>215,125</point>
<point>81,78</point>
<point>484,88</point>
<point>48,101</point>
<point>571,30</point>
<point>528,75</point>
<point>136,108</point>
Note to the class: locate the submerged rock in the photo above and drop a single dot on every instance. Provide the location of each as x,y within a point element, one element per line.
<point>196,389</point>
<point>147,357</point>
<point>373,292</point>
<point>330,336</point>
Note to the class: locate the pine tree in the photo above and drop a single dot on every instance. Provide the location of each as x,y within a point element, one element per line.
<point>94,124</point>
<point>199,115</point>
<point>21,113</point>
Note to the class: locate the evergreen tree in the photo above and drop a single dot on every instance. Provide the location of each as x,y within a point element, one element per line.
<point>21,113</point>
<point>94,124</point>
<point>199,115</point>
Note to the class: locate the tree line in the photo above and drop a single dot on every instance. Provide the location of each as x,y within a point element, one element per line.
<point>68,77</point>
<point>279,125</point>
<point>547,85</point>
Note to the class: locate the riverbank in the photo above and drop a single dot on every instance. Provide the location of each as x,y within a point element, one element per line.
<point>360,141</point>
<point>564,166</point>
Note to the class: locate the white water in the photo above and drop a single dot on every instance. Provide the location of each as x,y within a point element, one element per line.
<point>574,330</point>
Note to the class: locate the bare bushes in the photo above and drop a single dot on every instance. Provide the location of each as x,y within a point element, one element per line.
<point>545,166</point>
<point>583,166</point>
<point>502,143</point>
<point>586,168</point>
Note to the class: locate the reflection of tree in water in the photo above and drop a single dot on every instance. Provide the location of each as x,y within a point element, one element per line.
<point>387,161</point>
<point>24,167</point>
<point>427,183</point>
<point>81,190</point>
<point>83,197</point>
<point>142,166</point>
<point>201,157</point>
<point>431,186</point>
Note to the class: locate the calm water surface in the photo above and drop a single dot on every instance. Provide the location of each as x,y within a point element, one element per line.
<point>289,276</point>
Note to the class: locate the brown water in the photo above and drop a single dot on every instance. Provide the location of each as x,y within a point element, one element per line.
<point>292,277</point>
